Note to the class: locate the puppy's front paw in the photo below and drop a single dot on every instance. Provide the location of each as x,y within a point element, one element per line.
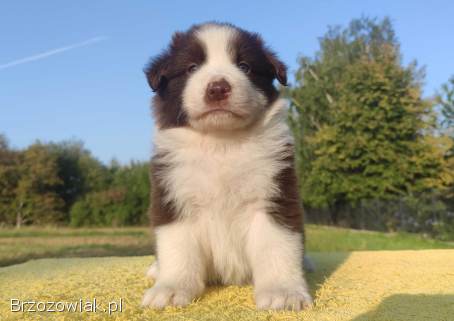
<point>291,298</point>
<point>160,296</point>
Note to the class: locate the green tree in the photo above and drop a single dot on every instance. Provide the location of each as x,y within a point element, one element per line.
<point>362,129</point>
<point>60,183</point>
<point>102,208</point>
<point>315,94</point>
<point>446,100</point>
<point>36,200</point>
<point>135,181</point>
<point>79,172</point>
<point>123,202</point>
<point>9,177</point>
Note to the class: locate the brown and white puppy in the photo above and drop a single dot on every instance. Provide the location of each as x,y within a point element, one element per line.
<point>225,205</point>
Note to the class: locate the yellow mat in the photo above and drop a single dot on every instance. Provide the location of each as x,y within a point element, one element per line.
<point>384,285</point>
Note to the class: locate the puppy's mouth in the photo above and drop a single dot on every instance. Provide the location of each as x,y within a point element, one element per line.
<point>220,111</point>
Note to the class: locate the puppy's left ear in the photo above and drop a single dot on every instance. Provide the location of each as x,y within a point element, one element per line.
<point>280,69</point>
<point>156,72</point>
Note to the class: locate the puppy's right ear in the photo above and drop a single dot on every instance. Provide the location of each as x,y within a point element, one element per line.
<point>158,68</point>
<point>156,71</point>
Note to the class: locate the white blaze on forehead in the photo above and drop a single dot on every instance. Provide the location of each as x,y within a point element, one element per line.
<point>216,40</point>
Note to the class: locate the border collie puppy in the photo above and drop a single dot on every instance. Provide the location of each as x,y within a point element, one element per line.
<point>225,205</point>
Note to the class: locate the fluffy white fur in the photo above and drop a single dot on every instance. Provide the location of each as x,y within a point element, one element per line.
<point>220,186</point>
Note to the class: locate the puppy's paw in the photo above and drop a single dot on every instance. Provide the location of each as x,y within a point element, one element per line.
<point>290,298</point>
<point>160,296</point>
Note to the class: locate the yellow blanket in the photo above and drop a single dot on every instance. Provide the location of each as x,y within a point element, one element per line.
<point>383,285</point>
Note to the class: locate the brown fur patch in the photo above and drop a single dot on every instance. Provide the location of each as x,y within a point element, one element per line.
<point>161,212</point>
<point>286,208</point>
<point>167,75</point>
<point>265,66</point>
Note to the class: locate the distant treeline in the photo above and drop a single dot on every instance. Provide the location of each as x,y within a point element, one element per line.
<point>62,183</point>
<point>372,152</point>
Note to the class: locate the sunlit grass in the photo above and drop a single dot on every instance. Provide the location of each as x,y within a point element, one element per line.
<point>20,245</point>
<point>331,239</point>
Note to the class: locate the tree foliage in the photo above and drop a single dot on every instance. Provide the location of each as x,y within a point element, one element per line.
<point>79,171</point>
<point>362,129</point>
<point>124,202</point>
<point>36,200</point>
<point>446,100</point>
<point>9,177</point>
<point>62,183</point>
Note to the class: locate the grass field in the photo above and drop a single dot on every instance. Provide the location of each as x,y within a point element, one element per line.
<point>20,245</point>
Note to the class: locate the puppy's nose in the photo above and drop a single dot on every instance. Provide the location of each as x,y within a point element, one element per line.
<point>218,90</point>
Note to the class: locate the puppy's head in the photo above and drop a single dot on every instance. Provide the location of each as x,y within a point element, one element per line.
<point>214,77</point>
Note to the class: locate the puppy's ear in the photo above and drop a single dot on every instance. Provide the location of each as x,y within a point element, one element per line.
<point>280,69</point>
<point>156,71</point>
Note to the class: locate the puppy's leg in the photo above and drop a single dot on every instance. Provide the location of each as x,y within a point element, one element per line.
<point>181,269</point>
<point>275,255</point>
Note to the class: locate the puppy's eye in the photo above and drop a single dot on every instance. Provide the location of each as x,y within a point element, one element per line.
<point>192,68</point>
<point>244,67</point>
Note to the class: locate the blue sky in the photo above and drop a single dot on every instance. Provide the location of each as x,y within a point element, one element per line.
<point>73,69</point>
